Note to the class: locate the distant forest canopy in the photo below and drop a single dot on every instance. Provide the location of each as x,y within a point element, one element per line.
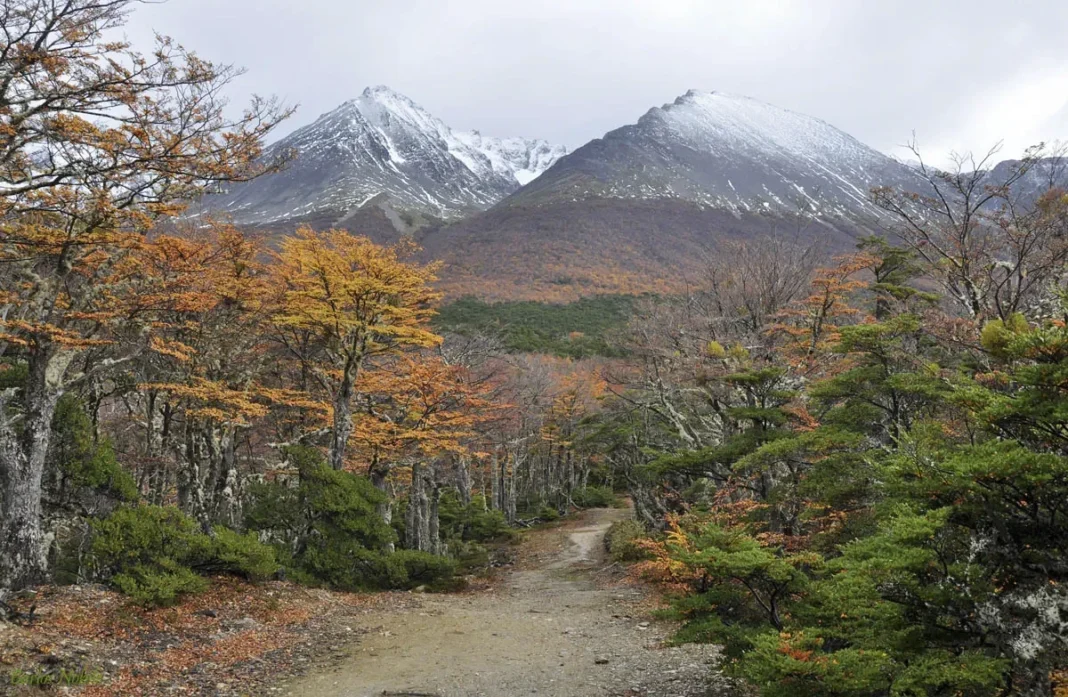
<point>581,329</point>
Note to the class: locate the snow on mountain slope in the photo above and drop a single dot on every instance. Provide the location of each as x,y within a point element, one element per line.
<point>726,152</point>
<point>383,146</point>
<point>520,158</point>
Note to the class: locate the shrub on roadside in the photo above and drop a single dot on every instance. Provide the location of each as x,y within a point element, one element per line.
<point>158,585</point>
<point>422,568</point>
<point>234,553</point>
<point>329,531</point>
<point>548,514</point>
<point>622,540</point>
<point>470,557</point>
<point>594,497</point>
<point>475,522</point>
<point>372,570</point>
<point>155,554</point>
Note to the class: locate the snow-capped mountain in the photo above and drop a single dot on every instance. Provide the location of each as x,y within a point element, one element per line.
<point>519,158</point>
<point>384,147</point>
<point>729,153</point>
<point>645,207</point>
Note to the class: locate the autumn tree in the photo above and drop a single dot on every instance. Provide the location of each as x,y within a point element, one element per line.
<point>206,383</point>
<point>750,281</point>
<point>346,300</point>
<point>813,323</point>
<point>97,142</point>
<point>992,249</point>
<point>416,413</point>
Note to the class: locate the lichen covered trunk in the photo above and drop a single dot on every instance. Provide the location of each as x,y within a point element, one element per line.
<point>23,548</point>
<point>495,483</point>
<point>509,508</point>
<point>463,479</point>
<point>434,521</point>
<point>384,509</point>
<point>342,404</point>
<point>342,425</point>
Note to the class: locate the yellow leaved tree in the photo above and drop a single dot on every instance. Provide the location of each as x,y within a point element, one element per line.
<point>347,299</point>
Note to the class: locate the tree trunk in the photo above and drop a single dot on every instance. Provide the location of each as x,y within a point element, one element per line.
<point>463,479</point>
<point>433,521</point>
<point>481,472</point>
<point>495,482</point>
<point>191,497</point>
<point>421,523</point>
<point>569,475</point>
<point>379,479</point>
<point>425,543</point>
<point>226,501</point>
<point>415,523</point>
<point>411,517</point>
<point>509,508</point>
<point>23,553</point>
<point>342,429</point>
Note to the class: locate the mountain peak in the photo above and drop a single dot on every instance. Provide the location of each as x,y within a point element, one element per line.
<point>379,90</point>
<point>690,95</point>
<point>382,146</point>
<point>727,152</point>
<point>389,98</point>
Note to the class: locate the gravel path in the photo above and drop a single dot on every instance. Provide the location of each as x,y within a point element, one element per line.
<point>548,629</point>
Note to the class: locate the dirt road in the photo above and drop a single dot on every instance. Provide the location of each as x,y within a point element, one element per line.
<point>547,629</point>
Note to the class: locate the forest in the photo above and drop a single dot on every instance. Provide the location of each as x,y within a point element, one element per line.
<point>850,471</point>
<point>585,328</point>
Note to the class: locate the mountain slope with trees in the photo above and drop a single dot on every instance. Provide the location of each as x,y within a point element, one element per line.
<point>644,208</point>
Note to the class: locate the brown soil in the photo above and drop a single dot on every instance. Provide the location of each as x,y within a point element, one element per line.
<point>560,622</point>
<point>551,627</point>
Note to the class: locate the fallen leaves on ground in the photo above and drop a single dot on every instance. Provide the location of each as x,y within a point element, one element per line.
<point>235,639</point>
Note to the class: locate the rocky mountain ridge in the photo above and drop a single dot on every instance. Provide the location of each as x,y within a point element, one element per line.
<point>382,148</point>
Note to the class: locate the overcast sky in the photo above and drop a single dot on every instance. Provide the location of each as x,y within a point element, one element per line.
<point>962,74</point>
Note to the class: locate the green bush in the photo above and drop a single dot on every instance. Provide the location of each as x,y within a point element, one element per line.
<point>470,556</point>
<point>474,522</point>
<point>330,532</point>
<point>349,567</point>
<point>78,461</point>
<point>334,507</point>
<point>369,570</point>
<point>158,585</point>
<point>486,525</point>
<point>423,568</point>
<point>594,497</point>
<point>548,514</point>
<point>622,540</point>
<point>139,535</point>
<point>231,552</point>
<point>154,554</point>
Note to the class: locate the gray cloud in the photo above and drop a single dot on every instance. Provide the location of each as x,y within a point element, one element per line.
<point>961,73</point>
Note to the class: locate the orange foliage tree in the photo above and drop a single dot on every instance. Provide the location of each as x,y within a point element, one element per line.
<point>811,325</point>
<point>96,143</point>
<point>418,411</point>
<point>345,300</point>
<point>206,380</point>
